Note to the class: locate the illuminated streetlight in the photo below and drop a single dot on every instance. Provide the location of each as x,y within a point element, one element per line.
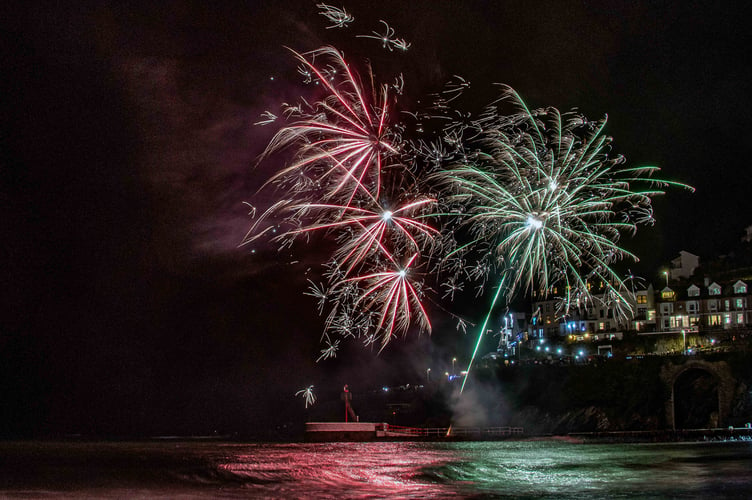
<point>454,361</point>
<point>665,273</point>
<point>428,375</point>
<point>684,342</point>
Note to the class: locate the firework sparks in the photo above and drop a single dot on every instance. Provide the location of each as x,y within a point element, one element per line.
<point>544,203</point>
<point>345,144</point>
<point>267,117</point>
<point>307,395</point>
<point>388,39</point>
<point>368,231</point>
<point>516,201</point>
<point>396,299</point>
<point>330,351</point>
<point>338,17</point>
<point>544,199</point>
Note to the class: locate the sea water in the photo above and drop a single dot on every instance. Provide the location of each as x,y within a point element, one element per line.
<point>506,469</point>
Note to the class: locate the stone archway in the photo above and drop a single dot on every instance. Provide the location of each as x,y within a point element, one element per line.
<point>719,371</point>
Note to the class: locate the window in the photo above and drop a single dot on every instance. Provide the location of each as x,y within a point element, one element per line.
<point>714,320</point>
<point>740,303</point>
<point>714,289</point>
<point>679,321</point>
<point>739,318</point>
<point>667,294</point>
<point>726,302</point>
<point>642,299</point>
<point>693,291</point>
<point>740,287</point>
<point>727,319</point>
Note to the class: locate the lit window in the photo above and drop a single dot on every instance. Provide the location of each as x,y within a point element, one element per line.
<point>739,318</point>
<point>740,287</point>
<point>714,289</point>
<point>739,303</point>
<point>693,291</point>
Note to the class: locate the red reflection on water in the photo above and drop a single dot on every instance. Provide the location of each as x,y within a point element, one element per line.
<point>349,469</point>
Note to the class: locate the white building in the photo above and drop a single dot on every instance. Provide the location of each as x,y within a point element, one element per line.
<point>684,265</point>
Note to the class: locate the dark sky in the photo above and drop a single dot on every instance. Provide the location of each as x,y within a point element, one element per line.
<point>128,145</point>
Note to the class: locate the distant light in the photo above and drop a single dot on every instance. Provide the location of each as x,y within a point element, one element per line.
<point>402,273</point>
<point>558,351</point>
<point>582,353</point>
<point>386,216</point>
<point>534,222</point>
<point>385,389</point>
<point>537,348</point>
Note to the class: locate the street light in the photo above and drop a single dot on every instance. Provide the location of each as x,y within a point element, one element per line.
<point>684,342</point>
<point>454,361</point>
<point>428,375</point>
<point>665,273</point>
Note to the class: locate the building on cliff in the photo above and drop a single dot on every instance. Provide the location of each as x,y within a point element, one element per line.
<point>712,306</point>
<point>673,309</point>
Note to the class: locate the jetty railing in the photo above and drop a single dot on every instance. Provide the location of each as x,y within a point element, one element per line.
<point>469,432</point>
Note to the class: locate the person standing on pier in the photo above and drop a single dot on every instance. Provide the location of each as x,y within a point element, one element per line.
<point>347,398</point>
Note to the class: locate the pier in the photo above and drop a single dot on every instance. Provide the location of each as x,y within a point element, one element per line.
<point>370,431</point>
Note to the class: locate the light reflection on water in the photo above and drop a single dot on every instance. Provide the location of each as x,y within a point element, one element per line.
<point>511,469</point>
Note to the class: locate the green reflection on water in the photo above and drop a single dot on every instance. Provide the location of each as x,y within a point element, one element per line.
<point>543,469</point>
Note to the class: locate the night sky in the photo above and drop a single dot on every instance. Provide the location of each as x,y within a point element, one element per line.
<point>127,149</point>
